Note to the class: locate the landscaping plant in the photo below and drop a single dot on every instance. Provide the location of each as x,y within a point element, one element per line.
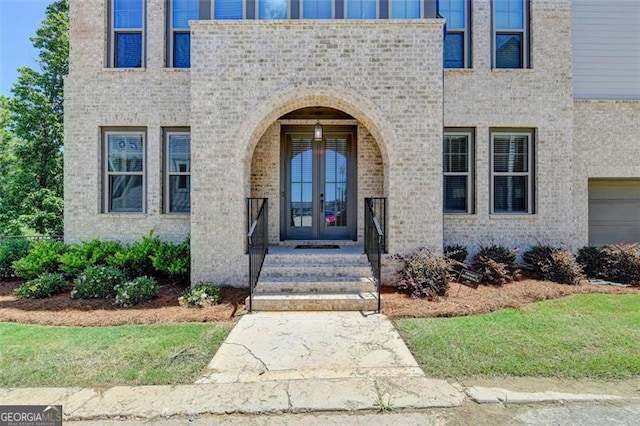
<point>97,282</point>
<point>44,286</point>
<point>621,263</point>
<point>423,274</point>
<point>553,264</point>
<point>456,252</point>
<point>89,253</point>
<point>173,260</point>
<point>136,259</point>
<point>135,292</point>
<point>496,264</point>
<point>11,250</point>
<point>43,257</point>
<point>200,295</point>
<point>591,259</point>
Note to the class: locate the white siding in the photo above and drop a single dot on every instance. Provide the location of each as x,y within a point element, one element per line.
<point>606,49</point>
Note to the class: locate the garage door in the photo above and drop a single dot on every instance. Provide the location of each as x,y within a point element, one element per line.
<point>614,211</point>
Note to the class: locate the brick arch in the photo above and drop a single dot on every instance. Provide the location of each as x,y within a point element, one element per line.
<point>351,102</point>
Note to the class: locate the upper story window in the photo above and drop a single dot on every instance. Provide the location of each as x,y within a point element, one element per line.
<point>228,9</point>
<point>273,9</point>
<point>361,9</point>
<point>510,34</point>
<point>126,35</point>
<point>124,182</point>
<point>404,9</point>
<point>457,41</point>
<point>512,172</point>
<point>457,164</point>
<point>182,11</point>
<point>317,9</point>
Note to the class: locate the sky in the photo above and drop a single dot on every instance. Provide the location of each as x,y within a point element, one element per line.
<point>19,20</point>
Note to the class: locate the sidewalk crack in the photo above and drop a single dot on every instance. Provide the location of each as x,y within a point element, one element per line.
<point>250,353</point>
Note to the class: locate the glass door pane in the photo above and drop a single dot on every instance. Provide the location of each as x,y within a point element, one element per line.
<point>335,183</point>
<point>301,185</point>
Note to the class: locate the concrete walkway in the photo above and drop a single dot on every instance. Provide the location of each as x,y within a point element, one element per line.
<point>302,362</point>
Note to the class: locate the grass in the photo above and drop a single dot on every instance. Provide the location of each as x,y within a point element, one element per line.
<point>33,355</point>
<point>582,336</point>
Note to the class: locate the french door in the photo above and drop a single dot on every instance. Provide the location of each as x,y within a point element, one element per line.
<point>319,190</point>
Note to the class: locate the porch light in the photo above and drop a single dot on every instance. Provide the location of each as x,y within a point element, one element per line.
<point>317,132</point>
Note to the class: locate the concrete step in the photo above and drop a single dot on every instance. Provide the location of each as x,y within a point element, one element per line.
<point>365,301</point>
<point>315,285</point>
<point>315,270</point>
<point>332,259</point>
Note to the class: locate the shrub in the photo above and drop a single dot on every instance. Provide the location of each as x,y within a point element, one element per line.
<point>45,286</point>
<point>136,258</point>
<point>456,252</point>
<point>135,291</point>
<point>496,264</point>
<point>423,274</point>
<point>621,263</point>
<point>97,282</point>
<point>591,259</point>
<point>200,295</point>
<point>553,264</point>
<point>11,250</point>
<point>42,258</point>
<point>173,261</point>
<point>89,253</point>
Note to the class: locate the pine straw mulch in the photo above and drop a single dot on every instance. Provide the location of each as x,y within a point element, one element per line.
<point>62,310</point>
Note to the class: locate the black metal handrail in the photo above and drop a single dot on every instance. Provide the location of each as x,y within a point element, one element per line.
<point>379,207</point>
<point>257,240</point>
<point>374,238</point>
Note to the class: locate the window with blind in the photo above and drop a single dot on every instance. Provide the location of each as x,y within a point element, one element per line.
<point>458,171</point>
<point>177,180</point>
<point>126,34</point>
<point>512,173</point>
<point>124,182</point>
<point>457,40</point>
<point>510,34</point>
<point>361,9</point>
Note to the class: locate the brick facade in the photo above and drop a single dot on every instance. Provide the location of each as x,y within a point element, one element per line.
<point>386,74</point>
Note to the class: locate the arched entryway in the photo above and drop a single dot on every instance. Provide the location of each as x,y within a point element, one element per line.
<point>316,184</point>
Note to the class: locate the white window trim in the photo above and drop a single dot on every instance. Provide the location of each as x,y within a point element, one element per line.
<point>469,173</point>
<point>524,32</point>
<point>168,174</point>
<point>466,36</point>
<point>113,31</point>
<point>106,173</point>
<point>344,13</point>
<point>530,174</point>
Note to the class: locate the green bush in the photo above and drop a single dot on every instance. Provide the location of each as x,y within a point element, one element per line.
<point>11,250</point>
<point>97,282</point>
<point>200,295</point>
<point>423,274</point>
<point>136,258</point>
<point>496,264</point>
<point>88,253</point>
<point>135,292</point>
<point>45,286</point>
<point>43,257</point>
<point>173,261</point>
<point>456,252</point>
<point>553,264</point>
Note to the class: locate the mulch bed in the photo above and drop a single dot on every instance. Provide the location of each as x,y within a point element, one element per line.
<point>62,310</point>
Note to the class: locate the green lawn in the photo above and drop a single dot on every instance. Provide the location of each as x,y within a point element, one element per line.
<point>591,335</point>
<point>32,355</point>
